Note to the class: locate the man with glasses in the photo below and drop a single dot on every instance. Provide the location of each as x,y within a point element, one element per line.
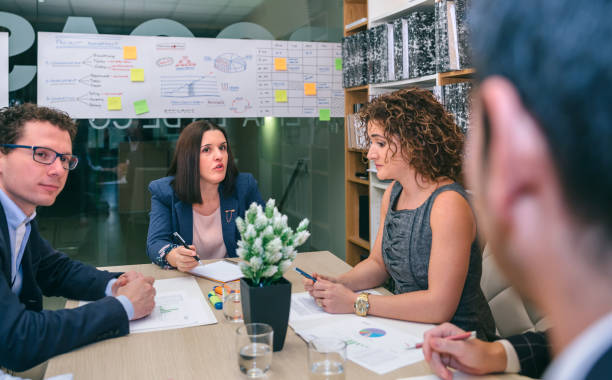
<point>35,158</point>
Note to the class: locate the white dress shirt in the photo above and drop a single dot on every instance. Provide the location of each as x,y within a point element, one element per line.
<point>577,359</point>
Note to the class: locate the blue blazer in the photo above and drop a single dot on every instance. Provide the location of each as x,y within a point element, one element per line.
<point>30,335</point>
<point>169,214</point>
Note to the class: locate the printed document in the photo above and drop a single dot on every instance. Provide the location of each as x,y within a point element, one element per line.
<point>179,303</point>
<point>370,342</point>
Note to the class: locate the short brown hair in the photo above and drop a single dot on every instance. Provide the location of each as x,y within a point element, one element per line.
<point>430,140</point>
<point>13,119</point>
<point>185,166</point>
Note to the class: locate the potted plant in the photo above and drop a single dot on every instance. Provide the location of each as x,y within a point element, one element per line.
<point>267,249</point>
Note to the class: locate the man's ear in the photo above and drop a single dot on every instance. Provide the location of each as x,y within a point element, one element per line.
<point>519,168</point>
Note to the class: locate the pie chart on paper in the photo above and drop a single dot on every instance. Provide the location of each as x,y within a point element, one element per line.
<point>372,332</point>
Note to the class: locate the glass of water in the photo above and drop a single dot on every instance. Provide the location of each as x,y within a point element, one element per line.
<point>232,305</point>
<point>326,358</point>
<point>254,346</point>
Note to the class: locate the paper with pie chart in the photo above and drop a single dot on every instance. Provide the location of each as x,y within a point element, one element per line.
<point>370,343</point>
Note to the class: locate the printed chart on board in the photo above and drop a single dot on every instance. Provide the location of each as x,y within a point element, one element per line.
<point>118,76</point>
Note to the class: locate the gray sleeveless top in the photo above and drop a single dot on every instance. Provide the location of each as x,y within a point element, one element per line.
<point>406,246</point>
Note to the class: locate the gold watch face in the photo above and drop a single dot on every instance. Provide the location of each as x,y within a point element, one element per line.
<point>362,305</point>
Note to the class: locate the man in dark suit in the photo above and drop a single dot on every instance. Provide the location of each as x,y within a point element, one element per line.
<point>539,162</point>
<point>35,158</point>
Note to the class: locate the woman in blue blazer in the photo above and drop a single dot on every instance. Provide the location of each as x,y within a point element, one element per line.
<point>200,199</point>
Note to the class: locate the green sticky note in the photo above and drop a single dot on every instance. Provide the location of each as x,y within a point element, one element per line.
<point>339,64</point>
<point>324,114</point>
<point>280,96</point>
<point>141,106</point>
<point>113,103</point>
<point>137,75</point>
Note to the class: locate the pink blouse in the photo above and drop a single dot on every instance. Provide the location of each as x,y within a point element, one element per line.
<point>208,236</point>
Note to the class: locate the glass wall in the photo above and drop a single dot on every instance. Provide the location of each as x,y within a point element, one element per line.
<point>101,217</point>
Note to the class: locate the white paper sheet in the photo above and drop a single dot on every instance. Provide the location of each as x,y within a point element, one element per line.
<point>179,303</point>
<point>221,271</point>
<point>370,343</point>
<point>304,307</point>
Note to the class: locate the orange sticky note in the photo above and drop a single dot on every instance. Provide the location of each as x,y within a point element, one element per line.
<point>310,88</point>
<point>129,52</point>
<point>280,64</point>
<point>114,103</point>
<point>137,75</point>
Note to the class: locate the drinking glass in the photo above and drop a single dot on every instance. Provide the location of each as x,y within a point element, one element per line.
<point>232,303</point>
<point>254,346</point>
<point>326,358</point>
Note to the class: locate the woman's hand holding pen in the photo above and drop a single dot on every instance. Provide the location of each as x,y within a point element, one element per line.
<point>309,283</point>
<point>182,258</point>
<point>331,295</point>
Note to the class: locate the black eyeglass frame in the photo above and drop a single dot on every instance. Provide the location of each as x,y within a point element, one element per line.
<point>65,164</point>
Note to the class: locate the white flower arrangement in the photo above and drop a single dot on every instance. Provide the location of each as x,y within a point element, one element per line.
<point>267,246</point>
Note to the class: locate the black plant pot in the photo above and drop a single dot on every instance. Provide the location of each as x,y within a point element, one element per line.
<point>268,304</point>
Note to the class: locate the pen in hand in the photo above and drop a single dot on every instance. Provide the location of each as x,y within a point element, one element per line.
<point>463,336</point>
<point>305,274</point>
<point>180,239</point>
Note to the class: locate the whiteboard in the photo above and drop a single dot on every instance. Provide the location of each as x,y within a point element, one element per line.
<point>4,67</point>
<point>88,75</point>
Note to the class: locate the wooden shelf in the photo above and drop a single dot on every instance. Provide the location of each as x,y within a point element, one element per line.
<point>455,76</point>
<point>426,81</point>
<point>359,181</point>
<point>357,88</point>
<point>356,28</point>
<point>356,150</point>
<point>395,9</point>
<point>359,241</point>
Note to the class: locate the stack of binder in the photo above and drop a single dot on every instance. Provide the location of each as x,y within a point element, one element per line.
<point>451,35</point>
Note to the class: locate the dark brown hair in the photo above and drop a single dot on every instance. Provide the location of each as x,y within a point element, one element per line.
<point>430,140</point>
<point>185,166</point>
<point>13,119</point>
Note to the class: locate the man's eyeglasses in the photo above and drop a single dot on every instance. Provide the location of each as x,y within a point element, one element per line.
<point>47,156</point>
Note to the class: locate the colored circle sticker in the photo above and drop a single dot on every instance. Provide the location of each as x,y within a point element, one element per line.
<point>372,332</point>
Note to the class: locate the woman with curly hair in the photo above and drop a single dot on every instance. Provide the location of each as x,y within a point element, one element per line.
<point>427,243</point>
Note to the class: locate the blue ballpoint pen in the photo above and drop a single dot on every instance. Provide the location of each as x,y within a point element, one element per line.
<point>305,274</point>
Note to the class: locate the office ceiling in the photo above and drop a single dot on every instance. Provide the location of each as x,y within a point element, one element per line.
<point>200,16</point>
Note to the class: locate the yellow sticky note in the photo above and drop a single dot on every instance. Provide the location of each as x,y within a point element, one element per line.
<point>137,75</point>
<point>324,114</point>
<point>114,103</point>
<point>280,96</point>
<point>141,106</point>
<point>280,64</point>
<point>129,52</point>
<point>310,88</point>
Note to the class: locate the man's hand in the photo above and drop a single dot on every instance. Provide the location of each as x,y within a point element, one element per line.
<point>141,294</point>
<point>124,279</point>
<point>472,356</point>
<point>182,258</point>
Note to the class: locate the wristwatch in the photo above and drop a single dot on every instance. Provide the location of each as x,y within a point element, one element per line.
<point>362,304</point>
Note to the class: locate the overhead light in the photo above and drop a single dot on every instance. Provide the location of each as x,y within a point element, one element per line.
<point>41,1</point>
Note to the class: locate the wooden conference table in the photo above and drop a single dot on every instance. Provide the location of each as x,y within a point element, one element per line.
<point>207,352</point>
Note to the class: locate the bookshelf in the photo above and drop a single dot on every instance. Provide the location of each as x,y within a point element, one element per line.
<point>370,14</point>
